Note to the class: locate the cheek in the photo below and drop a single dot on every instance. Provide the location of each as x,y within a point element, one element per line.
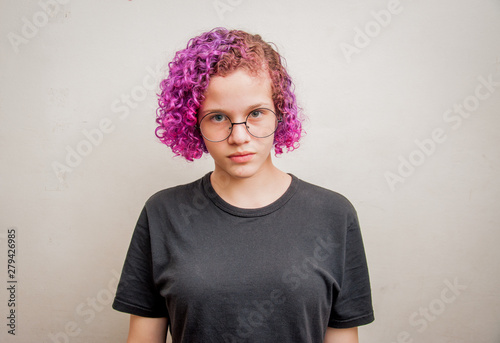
<point>215,149</point>
<point>209,147</point>
<point>267,143</point>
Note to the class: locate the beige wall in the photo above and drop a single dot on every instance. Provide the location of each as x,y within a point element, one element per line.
<point>383,94</point>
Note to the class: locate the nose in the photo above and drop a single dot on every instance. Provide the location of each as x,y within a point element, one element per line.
<point>239,134</point>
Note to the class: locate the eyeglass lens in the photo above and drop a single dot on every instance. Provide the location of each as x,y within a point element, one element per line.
<point>260,123</point>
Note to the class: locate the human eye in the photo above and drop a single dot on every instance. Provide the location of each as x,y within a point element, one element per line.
<point>255,114</point>
<point>217,118</point>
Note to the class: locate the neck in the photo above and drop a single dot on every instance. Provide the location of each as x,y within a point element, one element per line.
<point>258,190</point>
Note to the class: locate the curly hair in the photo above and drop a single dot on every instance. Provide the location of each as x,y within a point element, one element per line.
<point>219,52</point>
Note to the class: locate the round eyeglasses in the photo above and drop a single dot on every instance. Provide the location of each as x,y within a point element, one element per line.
<point>260,123</point>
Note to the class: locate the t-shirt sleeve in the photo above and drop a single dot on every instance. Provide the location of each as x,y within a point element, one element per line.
<point>353,305</point>
<point>136,293</point>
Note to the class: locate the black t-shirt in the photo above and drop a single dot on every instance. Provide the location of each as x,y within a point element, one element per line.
<point>281,273</point>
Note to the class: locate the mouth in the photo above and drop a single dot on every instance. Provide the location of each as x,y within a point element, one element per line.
<point>241,157</point>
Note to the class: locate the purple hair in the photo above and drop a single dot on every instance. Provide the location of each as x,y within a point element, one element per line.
<point>219,52</point>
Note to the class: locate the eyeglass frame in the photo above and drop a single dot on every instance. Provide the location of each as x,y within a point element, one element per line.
<point>278,118</point>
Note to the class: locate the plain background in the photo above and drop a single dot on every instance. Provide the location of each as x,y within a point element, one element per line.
<point>370,113</point>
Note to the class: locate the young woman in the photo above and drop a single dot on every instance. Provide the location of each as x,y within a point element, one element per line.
<point>248,253</point>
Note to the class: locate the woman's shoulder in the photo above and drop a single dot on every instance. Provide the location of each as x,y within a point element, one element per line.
<point>321,196</point>
<point>176,193</point>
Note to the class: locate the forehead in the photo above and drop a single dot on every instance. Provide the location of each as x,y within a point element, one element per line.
<point>237,91</point>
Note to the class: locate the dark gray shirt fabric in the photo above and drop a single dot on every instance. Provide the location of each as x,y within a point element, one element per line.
<point>281,273</point>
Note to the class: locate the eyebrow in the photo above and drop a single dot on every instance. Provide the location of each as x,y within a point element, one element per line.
<point>249,108</point>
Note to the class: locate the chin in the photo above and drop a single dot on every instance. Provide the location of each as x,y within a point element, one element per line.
<point>242,171</point>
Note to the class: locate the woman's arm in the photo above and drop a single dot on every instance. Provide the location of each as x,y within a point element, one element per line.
<point>341,335</point>
<point>151,330</point>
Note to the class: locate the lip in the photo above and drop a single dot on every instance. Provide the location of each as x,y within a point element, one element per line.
<point>241,157</point>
